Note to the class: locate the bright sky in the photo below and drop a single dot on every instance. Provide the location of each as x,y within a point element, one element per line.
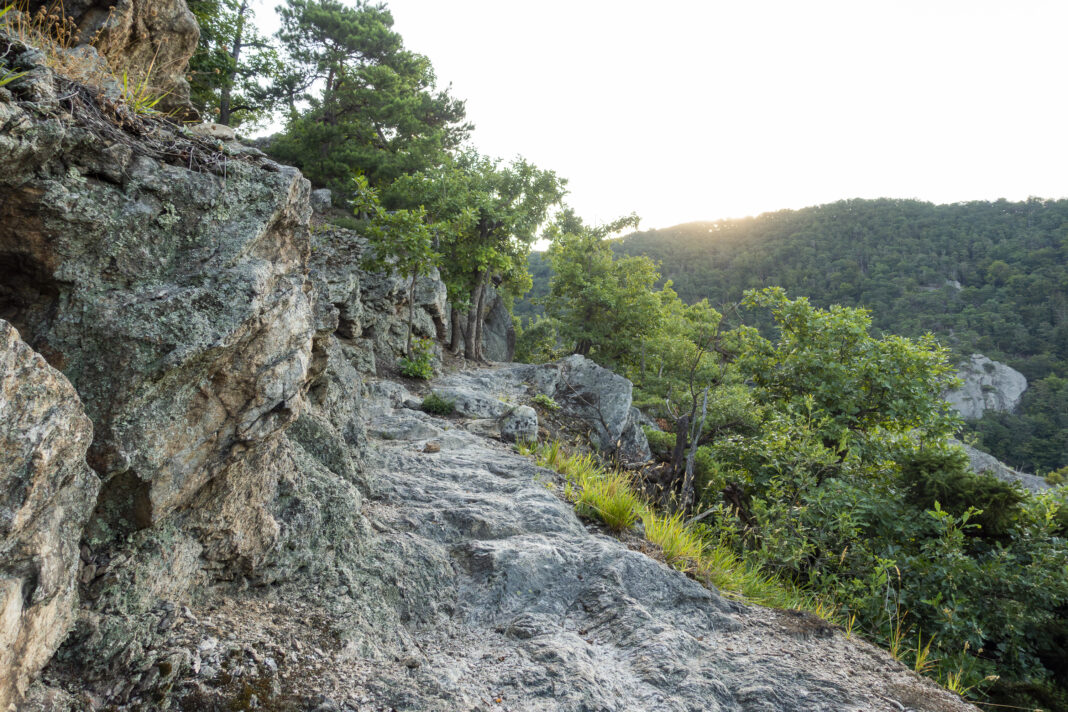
<point>698,110</point>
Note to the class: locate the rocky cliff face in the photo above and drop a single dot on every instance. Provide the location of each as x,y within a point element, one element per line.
<point>277,528</point>
<point>988,385</point>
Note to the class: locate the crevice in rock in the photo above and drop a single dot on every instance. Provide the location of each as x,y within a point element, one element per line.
<point>28,299</point>
<point>123,507</point>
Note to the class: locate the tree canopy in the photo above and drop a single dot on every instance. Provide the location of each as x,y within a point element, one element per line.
<point>359,101</point>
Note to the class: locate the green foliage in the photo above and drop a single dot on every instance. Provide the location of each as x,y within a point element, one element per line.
<point>603,307</point>
<point>7,76</point>
<point>943,477</point>
<point>419,364</point>
<point>488,215</point>
<point>904,260</point>
<point>840,479</point>
<point>372,105</point>
<point>436,405</point>
<point>538,342</point>
<point>660,443</point>
<point>139,96</point>
<point>232,64</point>
<point>867,392</point>
<point>398,241</point>
<point>545,402</point>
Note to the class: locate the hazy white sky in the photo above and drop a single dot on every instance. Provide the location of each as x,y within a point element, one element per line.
<point>691,110</point>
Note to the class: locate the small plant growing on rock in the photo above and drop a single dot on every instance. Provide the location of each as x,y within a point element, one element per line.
<point>418,363</point>
<point>436,405</point>
<point>546,402</point>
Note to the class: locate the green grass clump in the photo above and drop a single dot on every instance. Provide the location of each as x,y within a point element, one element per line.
<point>681,545</point>
<point>436,405</point>
<point>610,496</point>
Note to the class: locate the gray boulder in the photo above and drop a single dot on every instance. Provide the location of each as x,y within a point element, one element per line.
<point>986,463</point>
<point>601,398</point>
<point>584,390</point>
<point>173,299</point>
<point>321,200</point>
<point>47,493</point>
<point>519,425</point>
<point>498,334</point>
<point>987,385</point>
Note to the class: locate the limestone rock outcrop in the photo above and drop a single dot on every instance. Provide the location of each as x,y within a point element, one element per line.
<point>988,385</point>
<point>373,307</point>
<point>47,493</point>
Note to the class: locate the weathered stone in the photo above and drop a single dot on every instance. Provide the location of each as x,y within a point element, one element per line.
<point>583,389</point>
<point>219,132</point>
<point>47,493</point>
<point>519,424</point>
<point>498,334</point>
<point>322,200</point>
<point>174,301</point>
<point>988,385</point>
<point>373,308</point>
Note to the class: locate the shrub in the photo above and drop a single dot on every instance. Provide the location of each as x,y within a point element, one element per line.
<point>944,477</point>
<point>660,443</point>
<point>436,405</point>
<point>419,363</point>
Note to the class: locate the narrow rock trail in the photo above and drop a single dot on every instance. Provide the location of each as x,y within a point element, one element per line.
<point>533,610</point>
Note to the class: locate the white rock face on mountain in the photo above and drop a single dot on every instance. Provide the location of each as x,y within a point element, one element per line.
<point>988,385</point>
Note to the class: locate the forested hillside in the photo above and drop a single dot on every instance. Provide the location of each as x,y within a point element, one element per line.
<point>986,277</point>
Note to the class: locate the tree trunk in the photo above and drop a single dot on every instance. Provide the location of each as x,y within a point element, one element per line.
<point>471,350</point>
<point>682,432</point>
<point>225,101</point>
<point>411,315</point>
<point>456,343</point>
<point>480,322</point>
<point>686,499</point>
